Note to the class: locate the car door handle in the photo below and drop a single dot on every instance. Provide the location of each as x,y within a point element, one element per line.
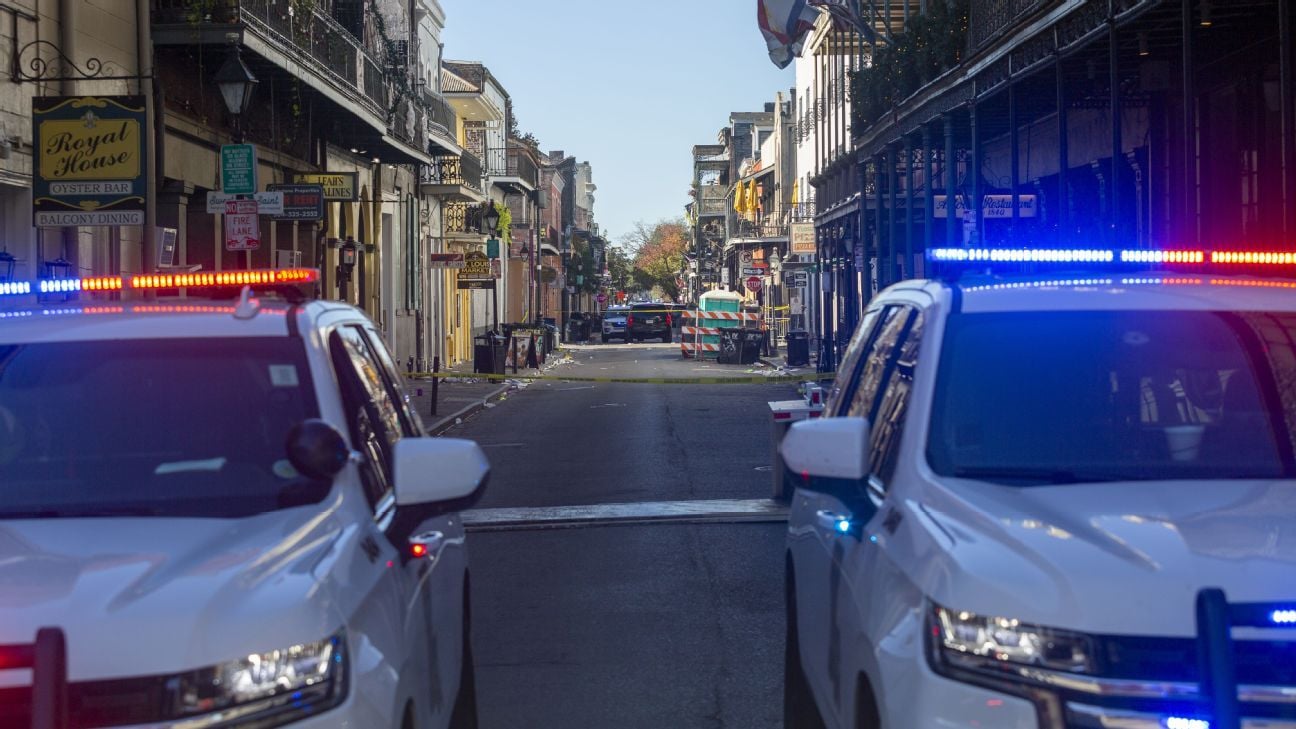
<point>831,521</point>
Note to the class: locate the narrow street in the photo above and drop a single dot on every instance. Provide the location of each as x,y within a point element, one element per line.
<point>628,624</point>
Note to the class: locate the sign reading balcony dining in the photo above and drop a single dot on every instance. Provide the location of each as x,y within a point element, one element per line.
<point>338,186</point>
<point>476,272</point>
<point>993,207</point>
<point>90,160</point>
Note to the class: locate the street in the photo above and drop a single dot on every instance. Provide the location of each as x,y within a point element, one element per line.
<point>628,624</point>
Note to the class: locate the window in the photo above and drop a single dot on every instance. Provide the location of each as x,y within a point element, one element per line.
<point>1058,397</point>
<point>411,425</point>
<point>372,416</point>
<point>119,426</point>
<point>877,359</point>
<point>843,386</point>
<point>887,423</point>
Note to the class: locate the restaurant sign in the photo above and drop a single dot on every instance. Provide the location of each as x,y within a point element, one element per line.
<point>90,160</point>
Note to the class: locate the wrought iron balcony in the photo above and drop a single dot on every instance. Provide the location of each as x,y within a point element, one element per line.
<point>461,218</point>
<point>441,117</point>
<point>522,166</point>
<point>800,212</point>
<point>453,176</point>
<point>769,227</point>
<point>989,20</point>
<point>495,162</point>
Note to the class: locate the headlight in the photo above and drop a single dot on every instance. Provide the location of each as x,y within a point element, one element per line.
<point>267,689</point>
<point>981,642</point>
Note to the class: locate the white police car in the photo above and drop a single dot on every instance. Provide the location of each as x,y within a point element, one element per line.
<point>223,513</point>
<point>1050,503</point>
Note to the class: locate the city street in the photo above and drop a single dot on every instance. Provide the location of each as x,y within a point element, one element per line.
<point>608,623</point>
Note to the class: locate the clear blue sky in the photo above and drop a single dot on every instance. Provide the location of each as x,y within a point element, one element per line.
<point>629,87</point>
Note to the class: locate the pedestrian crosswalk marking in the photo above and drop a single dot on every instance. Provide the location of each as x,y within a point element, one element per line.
<point>692,511</point>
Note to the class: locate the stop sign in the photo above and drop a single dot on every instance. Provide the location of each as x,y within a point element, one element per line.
<point>601,298</point>
<point>754,284</point>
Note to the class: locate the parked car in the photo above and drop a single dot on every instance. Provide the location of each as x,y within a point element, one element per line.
<point>614,323</point>
<point>649,321</point>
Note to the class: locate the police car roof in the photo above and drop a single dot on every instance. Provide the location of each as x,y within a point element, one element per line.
<point>157,319</point>
<point>1113,292</point>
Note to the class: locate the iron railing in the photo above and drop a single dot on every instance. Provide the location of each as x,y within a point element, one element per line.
<point>990,19</point>
<point>450,169</point>
<point>521,165</point>
<point>441,117</point>
<point>495,161</point>
<point>770,227</point>
<point>462,218</point>
<point>799,212</point>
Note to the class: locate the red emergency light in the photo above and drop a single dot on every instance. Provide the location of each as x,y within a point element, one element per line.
<point>219,279</point>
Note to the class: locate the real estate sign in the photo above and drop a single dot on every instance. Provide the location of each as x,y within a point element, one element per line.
<point>90,166</point>
<point>338,186</point>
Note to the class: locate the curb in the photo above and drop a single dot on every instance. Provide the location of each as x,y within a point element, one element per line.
<point>449,421</point>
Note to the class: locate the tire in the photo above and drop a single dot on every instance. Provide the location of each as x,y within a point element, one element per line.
<point>464,715</point>
<point>799,708</point>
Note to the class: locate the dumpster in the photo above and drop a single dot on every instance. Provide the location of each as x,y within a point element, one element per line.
<point>740,346</point>
<point>489,353</point>
<point>798,348</point>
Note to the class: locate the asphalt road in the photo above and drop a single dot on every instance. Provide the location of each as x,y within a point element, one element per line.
<point>656,625</point>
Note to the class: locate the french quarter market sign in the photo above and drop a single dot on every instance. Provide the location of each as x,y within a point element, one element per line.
<point>338,186</point>
<point>90,165</point>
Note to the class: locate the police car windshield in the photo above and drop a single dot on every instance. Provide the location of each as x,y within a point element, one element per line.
<point>190,427</point>
<point>1072,397</point>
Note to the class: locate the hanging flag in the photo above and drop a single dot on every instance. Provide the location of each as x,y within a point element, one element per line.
<point>785,25</point>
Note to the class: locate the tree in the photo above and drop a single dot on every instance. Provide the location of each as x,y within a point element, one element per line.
<point>620,268</point>
<point>658,251</point>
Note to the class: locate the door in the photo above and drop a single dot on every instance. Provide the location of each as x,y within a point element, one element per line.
<point>436,582</point>
<point>811,548</point>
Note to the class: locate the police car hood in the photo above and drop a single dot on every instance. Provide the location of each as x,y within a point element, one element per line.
<point>148,596</point>
<point>1115,558</point>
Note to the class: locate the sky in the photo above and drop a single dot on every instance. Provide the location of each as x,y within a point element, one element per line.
<point>629,87</point>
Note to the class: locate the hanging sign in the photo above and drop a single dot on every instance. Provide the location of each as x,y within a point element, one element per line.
<point>300,202</point>
<point>803,238</point>
<point>446,260</point>
<point>476,272</point>
<point>90,166</point>
<point>992,206</point>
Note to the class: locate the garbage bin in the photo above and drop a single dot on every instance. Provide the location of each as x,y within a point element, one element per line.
<point>798,348</point>
<point>740,346</point>
<point>489,353</point>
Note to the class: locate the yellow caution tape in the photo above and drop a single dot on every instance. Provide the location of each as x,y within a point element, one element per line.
<point>810,377</point>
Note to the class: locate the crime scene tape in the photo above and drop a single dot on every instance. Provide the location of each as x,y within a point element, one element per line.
<point>809,377</point>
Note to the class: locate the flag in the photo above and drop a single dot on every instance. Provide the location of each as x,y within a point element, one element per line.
<point>785,25</point>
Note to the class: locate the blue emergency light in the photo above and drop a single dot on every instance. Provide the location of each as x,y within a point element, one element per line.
<point>280,277</point>
<point>1183,722</point>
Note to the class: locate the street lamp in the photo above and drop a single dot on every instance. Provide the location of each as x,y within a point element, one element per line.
<point>490,218</point>
<point>236,83</point>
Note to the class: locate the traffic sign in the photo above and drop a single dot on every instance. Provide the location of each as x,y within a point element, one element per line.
<point>754,284</point>
<point>238,169</point>
<point>601,298</point>
<point>268,203</point>
<point>242,226</point>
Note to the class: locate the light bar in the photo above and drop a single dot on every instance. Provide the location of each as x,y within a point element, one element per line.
<point>225,278</point>
<point>1022,255</point>
<point>72,285</point>
<point>8,288</point>
<point>1183,722</point>
<point>1283,617</point>
<point>1155,256</point>
<point>1266,258</point>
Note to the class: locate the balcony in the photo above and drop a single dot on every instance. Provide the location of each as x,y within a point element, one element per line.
<point>988,20</point>
<point>715,201</point>
<point>512,166</point>
<point>303,42</point>
<point>771,226</point>
<point>462,220</point>
<point>455,178</point>
<point>441,121</point>
<point>800,212</point>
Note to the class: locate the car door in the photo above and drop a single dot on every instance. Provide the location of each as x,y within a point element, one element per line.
<point>868,594</point>
<point>810,548</point>
<point>435,600</point>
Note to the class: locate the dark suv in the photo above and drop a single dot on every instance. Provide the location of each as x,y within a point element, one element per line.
<point>649,321</point>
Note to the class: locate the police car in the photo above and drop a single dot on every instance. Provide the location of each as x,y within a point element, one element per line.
<point>1052,501</point>
<point>222,512</point>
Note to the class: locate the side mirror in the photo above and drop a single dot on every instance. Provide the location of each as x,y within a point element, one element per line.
<point>316,449</point>
<point>827,450</point>
<point>446,472</point>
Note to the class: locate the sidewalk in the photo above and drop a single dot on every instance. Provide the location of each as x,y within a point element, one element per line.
<point>461,394</point>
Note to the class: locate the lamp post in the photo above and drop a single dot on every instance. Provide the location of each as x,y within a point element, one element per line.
<point>236,83</point>
<point>776,296</point>
<point>490,223</point>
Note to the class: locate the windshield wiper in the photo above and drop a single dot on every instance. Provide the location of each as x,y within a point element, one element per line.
<point>80,512</point>
<point>1039,476</point>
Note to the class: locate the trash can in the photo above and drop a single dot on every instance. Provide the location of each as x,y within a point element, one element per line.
<point>489,352</point>
<point>740,346</point>
<point>798,348</point>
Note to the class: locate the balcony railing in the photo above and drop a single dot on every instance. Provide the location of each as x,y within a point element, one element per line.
<point>769,227</point>
<point>441,118</point>
<point>462,218</point>
<point>989,19</point>
<point>306,33</point>
<point>495,162</point>
<point>800,212</point>
<point>449,169</point>
<point>521,165</point>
